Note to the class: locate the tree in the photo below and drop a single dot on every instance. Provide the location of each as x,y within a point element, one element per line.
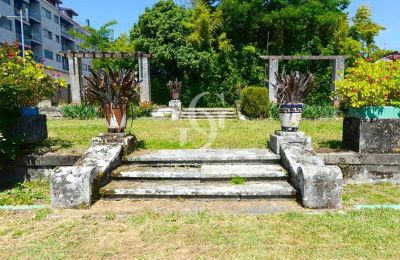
<point>364,29</point>
<point>102,39</point>
<point>215,46</point>
<point>96,39</point>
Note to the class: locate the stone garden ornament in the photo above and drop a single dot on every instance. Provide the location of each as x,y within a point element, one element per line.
<point>114,91</point>
<point>291,90</point>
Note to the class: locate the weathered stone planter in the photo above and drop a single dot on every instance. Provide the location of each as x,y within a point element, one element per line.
<point>372,130</point>
<point>290,116</point>
<point>31,129</point>
<point>116,117</point>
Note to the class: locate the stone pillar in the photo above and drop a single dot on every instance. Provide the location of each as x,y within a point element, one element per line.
<point>337,70</point>
<point>273,68</point>
<point>144,76</point>
<point>75,73</point>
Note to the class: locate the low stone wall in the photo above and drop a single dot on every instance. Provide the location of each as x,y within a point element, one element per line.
<point>366,168</point>
<point>31,129</point>
<point>371,135</point>
<point>31,167</point>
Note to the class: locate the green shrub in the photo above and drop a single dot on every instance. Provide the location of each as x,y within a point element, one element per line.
<point>273,111</point>
<point>319,111</point>
<point>79,111</point>
<point>255,102</point>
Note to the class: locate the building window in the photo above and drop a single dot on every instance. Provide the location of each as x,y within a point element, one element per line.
<point>6,1</point>
<point>47,13</point>
<point>56,19</point>
<point>85,67</point>
<point>57,38</point>
<point>48,54</point>
<point>48,34</point>
<point>58,58</point>
<point>6,24</point>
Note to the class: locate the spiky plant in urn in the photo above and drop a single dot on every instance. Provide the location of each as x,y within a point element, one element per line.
<point>290,91</point>
<point>114,91</point>
<point>175,87</point>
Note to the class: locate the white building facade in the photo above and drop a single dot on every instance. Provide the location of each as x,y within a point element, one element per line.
<point>46,34</point>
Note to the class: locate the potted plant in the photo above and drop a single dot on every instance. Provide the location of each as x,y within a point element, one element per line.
<point>25,82</point>
<point>175,88</point>
<point>290,91</point>
<point>370,93</point>
<point>114,91</point>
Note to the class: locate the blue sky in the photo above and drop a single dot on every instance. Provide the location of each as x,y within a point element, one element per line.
<point>126,12</point>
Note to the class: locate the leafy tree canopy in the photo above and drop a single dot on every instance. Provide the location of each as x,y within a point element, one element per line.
<point>214,45</point>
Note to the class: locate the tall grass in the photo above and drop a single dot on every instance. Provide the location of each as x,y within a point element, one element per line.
<point>82,112</point>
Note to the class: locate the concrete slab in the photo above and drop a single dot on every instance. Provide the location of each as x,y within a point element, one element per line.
<point>247,171</point>
<point>200,156</point>
<point>197,189</point>
<point>205,172</point>
<point>215,206</point>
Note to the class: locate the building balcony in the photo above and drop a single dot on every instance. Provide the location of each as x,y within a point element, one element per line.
<point>65,32</point>
<point>28,41</point>
<point>37,37</point>
<point>37,58</point>
<point>35,15</point>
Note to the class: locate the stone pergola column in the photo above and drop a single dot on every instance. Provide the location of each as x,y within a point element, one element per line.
<point>144,76</point>
<point>337,70</point>
<point>273,68</point>
<point>75,73</point>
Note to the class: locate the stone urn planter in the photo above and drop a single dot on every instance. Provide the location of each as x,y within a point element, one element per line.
<point>116,118</point>
<point>114,90</point>
<point>290,91</point>
<point>290,116</point>
<point>175,87</point>
<point>372,130</point>
<point>175,96</point>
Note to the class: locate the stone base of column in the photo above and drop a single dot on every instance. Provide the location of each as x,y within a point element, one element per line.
<point>128,141</point>
<point>281,137</point>
<point>176,106</point>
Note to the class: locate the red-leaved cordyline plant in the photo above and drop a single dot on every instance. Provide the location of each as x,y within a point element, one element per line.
<point>175,86</point>
<point>293,87</point>
<point>112,87</point>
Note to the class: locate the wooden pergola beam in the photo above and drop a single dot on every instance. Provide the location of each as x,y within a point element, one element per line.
<point>75,70</point>
<point>103,55</point>
<point>338,63</point>
<point>302,57</point>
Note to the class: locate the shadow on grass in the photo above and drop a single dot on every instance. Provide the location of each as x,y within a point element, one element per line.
<point>50,145</point>
<point>141,144</point>
<point>332,144</point>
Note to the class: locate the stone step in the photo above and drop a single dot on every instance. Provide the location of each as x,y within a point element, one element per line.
<point>208,117</point>
<point>208,110</point>
<point>205,172</point>
<point>204,156</point>
<point>196,189</point>
<point>208,113</point>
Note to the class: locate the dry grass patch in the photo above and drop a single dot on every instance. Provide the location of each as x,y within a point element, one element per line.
<point>356,234</point>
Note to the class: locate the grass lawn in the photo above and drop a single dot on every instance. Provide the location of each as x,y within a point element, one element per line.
<point>166,134</point>
<point>76,234</point>
<point>108,234</point>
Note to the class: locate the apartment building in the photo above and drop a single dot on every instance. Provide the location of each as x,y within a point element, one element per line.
<point>45,33</point>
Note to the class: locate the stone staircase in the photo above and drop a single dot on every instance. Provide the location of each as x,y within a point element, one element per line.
<point>208,113</point>
<point>50,112</point>
<point>201,174</point>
